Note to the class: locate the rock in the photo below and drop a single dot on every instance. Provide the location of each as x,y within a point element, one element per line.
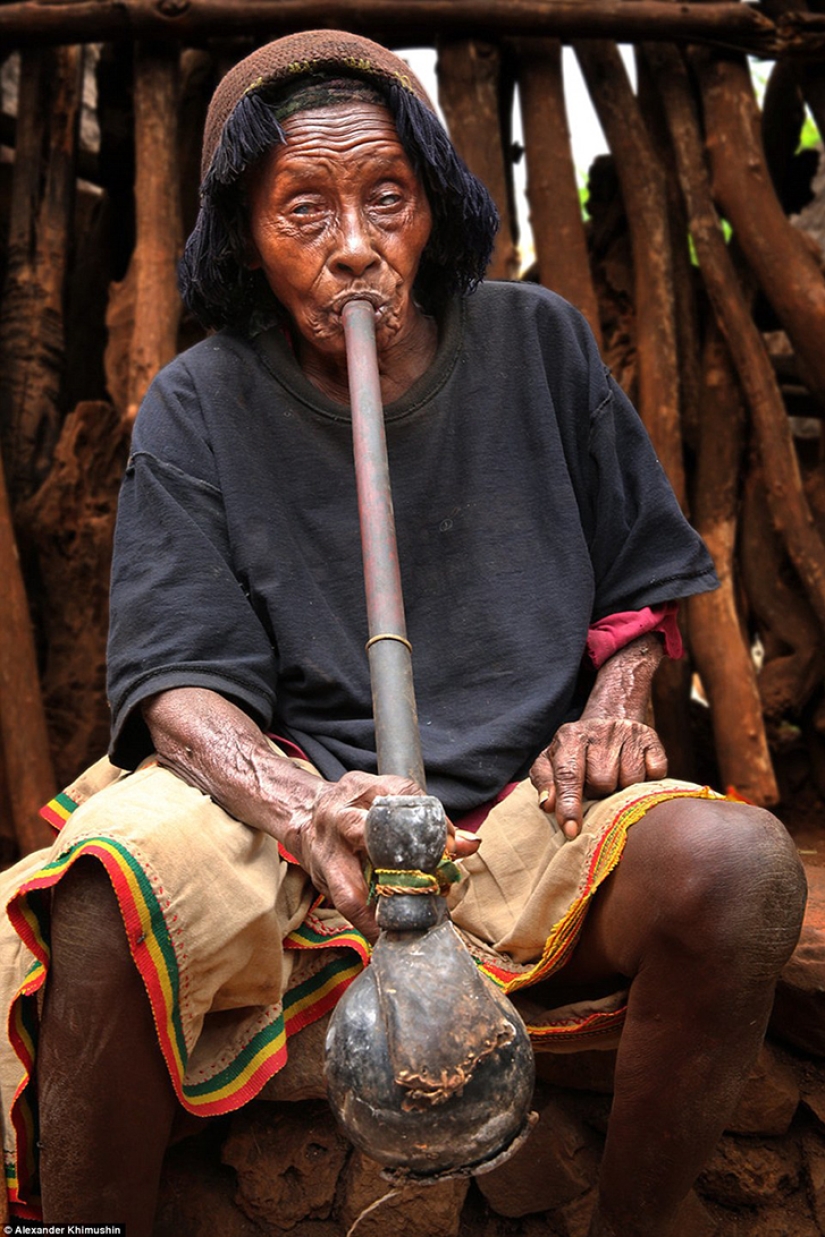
<point>783,1219</point>
<point>813,1095</point>
<point>414,1210</point>
<point>694,1219</point>
<point>558,1163</point>
<point>573,1220</point>
<point>813,1146</point>
<point>770,1097</point>
<point>196,1195</point>
<point>581,1071</point>
<point>799,1009</point>
<point>288,1159</point>
<point>748,1173</point>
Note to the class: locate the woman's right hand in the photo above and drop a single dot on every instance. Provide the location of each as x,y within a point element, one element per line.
<point>330,843</point>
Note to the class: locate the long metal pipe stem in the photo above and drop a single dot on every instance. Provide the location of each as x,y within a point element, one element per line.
<point>397,737</point>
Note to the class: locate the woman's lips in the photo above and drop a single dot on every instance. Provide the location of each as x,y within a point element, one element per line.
<point>374,298</point>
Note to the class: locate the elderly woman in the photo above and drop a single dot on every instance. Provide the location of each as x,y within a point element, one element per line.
<point>209,899</point>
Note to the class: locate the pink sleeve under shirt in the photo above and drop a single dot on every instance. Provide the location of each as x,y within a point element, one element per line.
<point>616,630</point>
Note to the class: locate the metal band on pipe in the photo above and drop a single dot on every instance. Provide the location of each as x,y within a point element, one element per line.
<point>388,635</point>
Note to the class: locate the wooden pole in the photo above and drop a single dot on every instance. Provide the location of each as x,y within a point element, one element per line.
<point>158,219</point>
<point>784,265</point>
<point>22,721</point>
<point>686,314</point>
<point>794,658</point>
<point>412,21</point>
<point>717,639</point>
<point>468,91</point>
<point>555,209</point>
<point>786,499</point>
<point>32,343</point>
<point>642,182</point>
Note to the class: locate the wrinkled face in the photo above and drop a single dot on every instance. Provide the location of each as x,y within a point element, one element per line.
<point>337,213</point>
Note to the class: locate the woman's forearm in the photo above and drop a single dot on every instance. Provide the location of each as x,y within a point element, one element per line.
<point>212,744</point>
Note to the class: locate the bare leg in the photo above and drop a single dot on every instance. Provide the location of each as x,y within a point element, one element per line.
<point>106,1102</point>
<point>701,914</point>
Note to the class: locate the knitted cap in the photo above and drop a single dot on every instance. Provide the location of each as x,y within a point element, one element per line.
<point>296,56</point>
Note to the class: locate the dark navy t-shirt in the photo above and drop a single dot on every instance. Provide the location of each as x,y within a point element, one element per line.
<point>528,503</point>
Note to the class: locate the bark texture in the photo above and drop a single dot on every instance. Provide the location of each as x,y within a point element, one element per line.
<point>32,336</point>
<point>468,90</point>
<point>555,209</point>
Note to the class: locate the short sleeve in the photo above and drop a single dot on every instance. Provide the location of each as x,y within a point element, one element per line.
<point>179,614</point>
<point>643,550</point>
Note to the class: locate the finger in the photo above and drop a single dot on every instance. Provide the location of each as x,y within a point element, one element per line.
<point>569,768</point>
<point>390,786</point>
<point>541,773</point>
<point>633,762</point>
<point>604,757</point>
<point>463,843</point>
<point>348,893</point>
<point>655,760</point>
<point>547,799</point>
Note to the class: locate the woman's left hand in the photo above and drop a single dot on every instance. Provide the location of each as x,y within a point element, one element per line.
<point>594,757</point>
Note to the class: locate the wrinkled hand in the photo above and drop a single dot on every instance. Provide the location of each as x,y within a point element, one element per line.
<point>594,757</point>
<point>331,845</point>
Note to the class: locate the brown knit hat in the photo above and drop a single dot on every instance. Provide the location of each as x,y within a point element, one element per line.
<point>242,125</point>
<point>300,55</point>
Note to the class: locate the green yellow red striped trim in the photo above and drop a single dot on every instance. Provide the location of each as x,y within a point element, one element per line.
<point>565,933</point>
<point>58,810</point>
<point>152,948</point>
<point>142,909</point>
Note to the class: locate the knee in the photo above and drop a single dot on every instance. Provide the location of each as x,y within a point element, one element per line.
<point>729,882</point>
<point>87,935</point>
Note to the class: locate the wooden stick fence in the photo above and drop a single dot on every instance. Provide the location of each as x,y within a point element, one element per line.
<point>681,314</point>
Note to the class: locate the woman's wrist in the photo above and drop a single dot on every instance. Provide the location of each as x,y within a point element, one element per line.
<point>623,684</point>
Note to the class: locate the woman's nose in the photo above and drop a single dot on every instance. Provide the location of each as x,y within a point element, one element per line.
<point>355,252</point>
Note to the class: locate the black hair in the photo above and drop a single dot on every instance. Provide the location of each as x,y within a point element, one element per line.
<point>217,285</point>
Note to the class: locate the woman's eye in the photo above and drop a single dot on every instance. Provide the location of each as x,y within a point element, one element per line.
<point>388,199</point>
<point>303,208</point>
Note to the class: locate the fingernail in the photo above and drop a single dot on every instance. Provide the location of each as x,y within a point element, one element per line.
<point>466,835</point>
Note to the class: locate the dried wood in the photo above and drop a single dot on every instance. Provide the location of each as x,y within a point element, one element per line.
<point>72,519</point>
<point>158,244</point>
<point>787,626</point>
<point>782,261</point>
<point>809,75</point>
<point>23,733</point>
<point>468,91</point>
<point>642,183</point>
<point>688,344</point>
<point>198,80</point>
<point>32,346</point>
<point>789,509</point>
<point>717,640</point>
<point>555,209</point>
<point>413,21</point>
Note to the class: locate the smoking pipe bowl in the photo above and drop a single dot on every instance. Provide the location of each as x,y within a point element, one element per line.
<point>429,1067</point>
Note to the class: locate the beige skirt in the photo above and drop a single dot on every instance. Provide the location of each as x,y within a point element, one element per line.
<point>236,950</point>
